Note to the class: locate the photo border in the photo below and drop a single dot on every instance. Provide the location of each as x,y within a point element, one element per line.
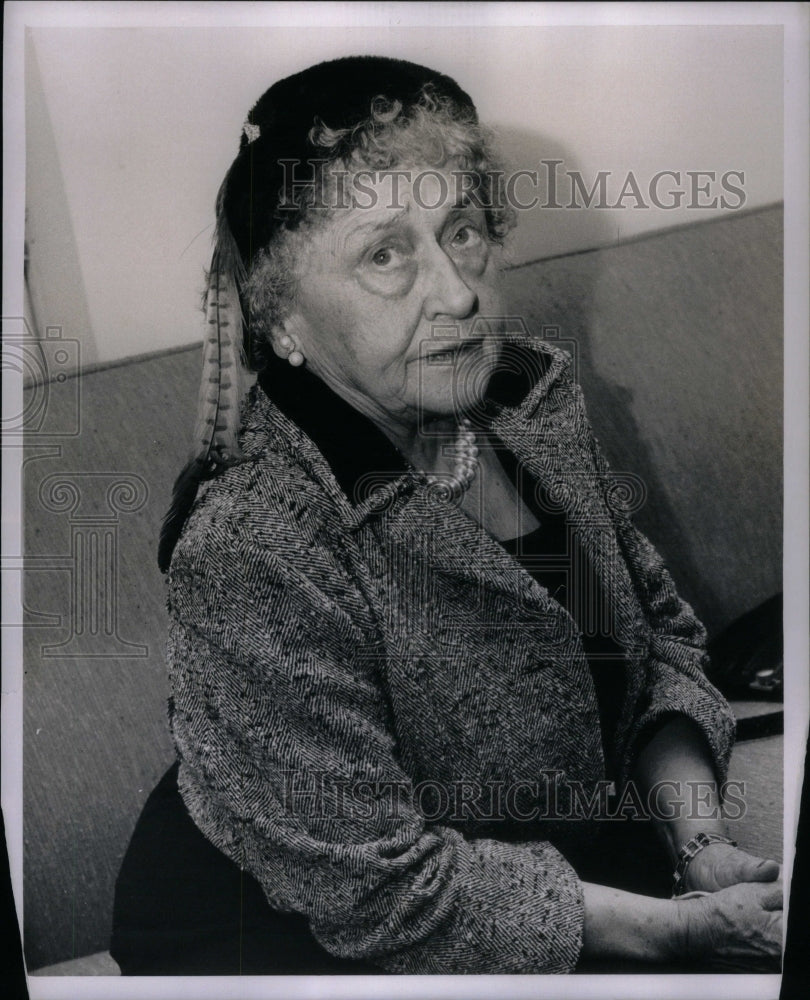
<point>794,18</point>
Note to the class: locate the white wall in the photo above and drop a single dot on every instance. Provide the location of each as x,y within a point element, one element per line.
<point>130,131</point>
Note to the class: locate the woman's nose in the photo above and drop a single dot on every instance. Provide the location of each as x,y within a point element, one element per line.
<point>448,293</point>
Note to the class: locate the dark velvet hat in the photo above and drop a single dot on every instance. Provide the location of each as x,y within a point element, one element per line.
<point>338,94</point>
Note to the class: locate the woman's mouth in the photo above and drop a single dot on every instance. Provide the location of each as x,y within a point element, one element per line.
<point>451,352</point>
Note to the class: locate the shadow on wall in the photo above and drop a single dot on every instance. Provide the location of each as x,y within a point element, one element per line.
<point>539,164</point>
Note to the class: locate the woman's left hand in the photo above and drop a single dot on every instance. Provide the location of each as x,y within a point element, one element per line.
<point>720,865</point>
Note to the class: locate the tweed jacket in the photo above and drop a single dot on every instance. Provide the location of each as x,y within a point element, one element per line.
<point>350,673</point>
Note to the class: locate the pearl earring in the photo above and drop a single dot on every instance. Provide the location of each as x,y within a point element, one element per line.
<point>295,357</point>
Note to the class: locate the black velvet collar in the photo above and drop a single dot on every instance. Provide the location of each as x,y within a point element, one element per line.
<point>351,444</point>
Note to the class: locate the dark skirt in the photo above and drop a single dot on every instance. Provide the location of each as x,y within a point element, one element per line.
<point>183,908</point>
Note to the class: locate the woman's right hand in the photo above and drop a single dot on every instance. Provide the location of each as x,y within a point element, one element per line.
<point>736,928</point>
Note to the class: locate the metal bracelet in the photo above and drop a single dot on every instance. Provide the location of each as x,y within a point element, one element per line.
<point>689,850</point>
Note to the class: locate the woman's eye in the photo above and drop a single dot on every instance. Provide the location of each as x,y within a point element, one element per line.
<point>388,269</point>
<point>382,257</point>
<point>466,235</point>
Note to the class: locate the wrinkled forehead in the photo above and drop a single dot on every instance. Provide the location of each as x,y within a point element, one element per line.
<point>366,198</point>
<point>420,186</point>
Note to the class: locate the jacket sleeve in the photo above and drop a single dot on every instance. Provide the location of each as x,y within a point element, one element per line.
<point>674,681</point>
<point>288,765</point>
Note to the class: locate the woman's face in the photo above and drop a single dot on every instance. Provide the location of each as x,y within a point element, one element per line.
<point>397,299</point>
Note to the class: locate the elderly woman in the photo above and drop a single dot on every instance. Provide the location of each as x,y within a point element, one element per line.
<point>416,644</point>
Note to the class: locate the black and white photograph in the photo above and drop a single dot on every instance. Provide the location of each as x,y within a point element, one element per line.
<point>405,498</point>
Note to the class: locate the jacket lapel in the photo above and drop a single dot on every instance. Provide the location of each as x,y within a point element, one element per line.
<point>549,435</point>
<point>542,422</point>
<point>552,439</point>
